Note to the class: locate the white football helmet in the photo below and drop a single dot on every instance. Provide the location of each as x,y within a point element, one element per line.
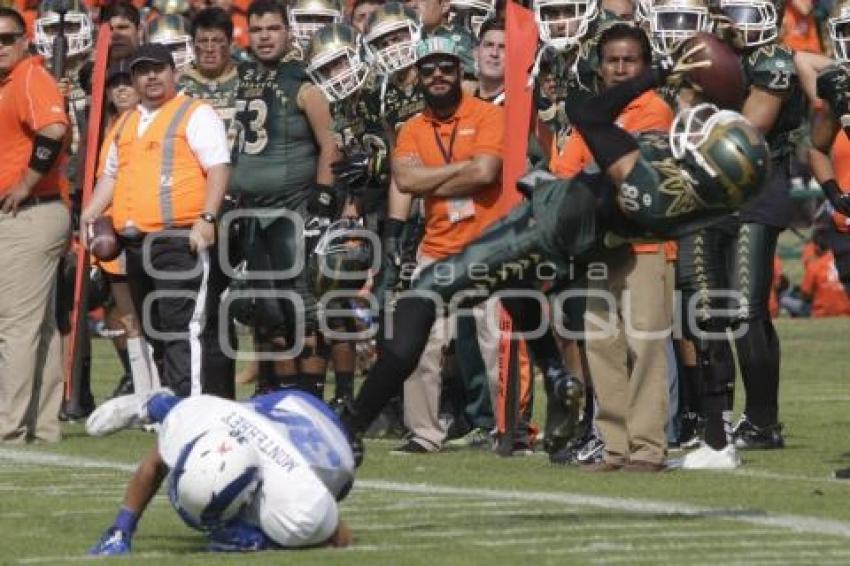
<point>757,20</point>
<point>839,30</point>
<point>79,30</point>
<point>673,21</point>
<point>214,478</point>
<point>392,33</point>
<point>642,10</point>
<point>563,23</point>
<point>171,31</point>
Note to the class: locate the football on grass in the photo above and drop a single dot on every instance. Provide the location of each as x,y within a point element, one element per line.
<point>103,241</point>
<point>723,82</point>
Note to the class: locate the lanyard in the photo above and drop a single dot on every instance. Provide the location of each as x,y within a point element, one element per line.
<point>447,153</point>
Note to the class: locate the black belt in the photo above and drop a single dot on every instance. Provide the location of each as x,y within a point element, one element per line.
<point>35,201</point>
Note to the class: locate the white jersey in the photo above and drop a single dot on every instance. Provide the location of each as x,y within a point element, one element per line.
<point>306,460</point>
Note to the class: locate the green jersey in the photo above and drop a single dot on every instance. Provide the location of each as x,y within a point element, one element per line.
<point>220,93</point>
<point>833,86</point>
<point>392,104</point>
<point>277,152</point>
<point>771,68</point>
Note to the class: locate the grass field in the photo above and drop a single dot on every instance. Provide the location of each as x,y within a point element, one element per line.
<point>471,507</point>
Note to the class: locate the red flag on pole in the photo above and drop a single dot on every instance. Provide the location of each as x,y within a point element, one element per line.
<point>521,43</point>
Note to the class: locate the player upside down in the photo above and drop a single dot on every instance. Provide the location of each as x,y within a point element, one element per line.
<point>659,185</point>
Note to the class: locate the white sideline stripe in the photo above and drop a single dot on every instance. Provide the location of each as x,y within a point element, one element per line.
<point>70,558</point>
<point>796,523</point>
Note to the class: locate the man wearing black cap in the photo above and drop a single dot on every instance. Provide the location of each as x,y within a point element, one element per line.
<point>165,176</point>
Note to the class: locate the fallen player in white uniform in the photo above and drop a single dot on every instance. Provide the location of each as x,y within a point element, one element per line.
<point>261,474</point>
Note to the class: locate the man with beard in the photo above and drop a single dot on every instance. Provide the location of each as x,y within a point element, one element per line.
<point>450,155</point>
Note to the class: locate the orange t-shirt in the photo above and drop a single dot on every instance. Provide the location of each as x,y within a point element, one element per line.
<point>822,285</point>
<point>477,128</point>
<point>841,166</point>
<point>240,29</point>
<point>29,101</point>
<point>645,113</point>
<point>800,31</point>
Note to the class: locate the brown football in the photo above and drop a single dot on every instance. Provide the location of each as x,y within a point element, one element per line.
<point>103,241</point>
<point>722,83</point>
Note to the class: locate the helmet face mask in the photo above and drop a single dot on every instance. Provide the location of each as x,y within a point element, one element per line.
<point>214,478</point>
<point>725,146</point>
<point>79,30</point>
<point>306,17</point>
<point>839,30</point>
<point>563,23</point>
<point>472,13</point>
<point>391,37</point>
<point>672,22</point>
<point>757,20</point>
<point>334,62</point>
<point>343,257</point>
<point>170,30</point>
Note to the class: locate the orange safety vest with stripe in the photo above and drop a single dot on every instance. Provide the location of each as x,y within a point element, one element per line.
<point>160,182</point>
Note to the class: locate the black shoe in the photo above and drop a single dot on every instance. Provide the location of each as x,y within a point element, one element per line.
<point>410,447</point>
<point>842,474</point>
<point>346,415</point>
<point>749,436</point>
<point>124,387</point>
<point>564,396</point>
<point>692,431</point>
<point>71,413</point>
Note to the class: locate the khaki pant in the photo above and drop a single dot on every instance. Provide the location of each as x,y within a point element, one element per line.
<point>422,388</point>
<point>629,370</point>
<point>31,244</point>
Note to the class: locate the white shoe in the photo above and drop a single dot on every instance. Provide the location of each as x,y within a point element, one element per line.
<point>707,458</point>
<point>119,413</point>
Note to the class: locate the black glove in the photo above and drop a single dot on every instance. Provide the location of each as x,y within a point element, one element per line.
<point>322,202</point>
<point>391,247</point>
<point>352,169</point>
<point>840,201</point>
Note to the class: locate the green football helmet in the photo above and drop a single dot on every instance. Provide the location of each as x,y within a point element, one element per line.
<point>171,31</point>
<point>334,63</point>
<point>839,29</point>
<point>392,33</point>
<point>757,20</point>
<point>306,17</point>
<point>79,30</point>
<point>725,147</point>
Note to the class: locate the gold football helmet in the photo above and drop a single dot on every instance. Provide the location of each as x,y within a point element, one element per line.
<point>839,29</point>
<point>306,17</point>
<point>171,30</point>
<point>673,21</point>
<point>171,6</point>
<point>563,23</point>
<point>79,30</point>
<point>392,33</point>
<point>334,63</point>
<point>757,20</point>
<point>471,13</point>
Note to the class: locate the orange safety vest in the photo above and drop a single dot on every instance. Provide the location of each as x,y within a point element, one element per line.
<point>160,183</point>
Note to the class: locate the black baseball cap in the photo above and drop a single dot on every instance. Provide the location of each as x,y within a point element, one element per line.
<point>152,52</point>
<point>117,69</point>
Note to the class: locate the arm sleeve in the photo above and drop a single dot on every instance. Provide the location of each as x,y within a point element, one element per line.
<point>207,137</point>
<point>39,101</point>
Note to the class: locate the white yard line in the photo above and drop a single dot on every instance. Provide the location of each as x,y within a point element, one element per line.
<point>796,523</point>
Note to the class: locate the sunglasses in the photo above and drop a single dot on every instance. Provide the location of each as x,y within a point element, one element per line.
<point>446,68</point>
<point>7,39</point>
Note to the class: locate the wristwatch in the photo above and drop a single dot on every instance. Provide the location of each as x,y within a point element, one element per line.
<point>208,217</point>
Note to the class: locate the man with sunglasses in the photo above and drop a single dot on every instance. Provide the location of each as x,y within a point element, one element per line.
<point>34,226</point>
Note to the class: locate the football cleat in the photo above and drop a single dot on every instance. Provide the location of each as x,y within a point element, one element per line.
<point>707,458</point>
<point>238,536</point>
<point>126,412</point>
<point>114,542</point>
<point>749,436</point>
<point>564,396</point>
